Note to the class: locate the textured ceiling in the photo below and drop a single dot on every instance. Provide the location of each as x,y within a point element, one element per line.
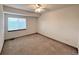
<point>32,7</point>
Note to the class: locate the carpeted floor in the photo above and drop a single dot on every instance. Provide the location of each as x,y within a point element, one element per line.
<point>36,44</point>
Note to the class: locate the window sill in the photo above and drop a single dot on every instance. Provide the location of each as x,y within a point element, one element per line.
<point>17,30</point>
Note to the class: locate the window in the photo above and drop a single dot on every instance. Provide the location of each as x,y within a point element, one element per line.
<point>16,23</point>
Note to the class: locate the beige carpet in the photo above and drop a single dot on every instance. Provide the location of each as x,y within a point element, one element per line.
<point>36,45</point>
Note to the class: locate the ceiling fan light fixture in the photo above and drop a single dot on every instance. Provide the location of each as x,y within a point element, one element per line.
<point>38,5</point>
<point>39,10</point>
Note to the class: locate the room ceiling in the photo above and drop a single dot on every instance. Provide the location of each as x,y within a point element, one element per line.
<point>32,7</point>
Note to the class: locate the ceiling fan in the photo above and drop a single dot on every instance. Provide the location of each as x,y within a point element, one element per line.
<point>39,8</point>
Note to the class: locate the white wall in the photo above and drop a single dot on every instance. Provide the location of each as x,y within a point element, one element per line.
<point>31,27</point>
<point>62,25</point>
<point>30,17</point>
<point>1,28</point>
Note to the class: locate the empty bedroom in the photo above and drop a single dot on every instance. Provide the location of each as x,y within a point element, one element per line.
<point>39,29</point>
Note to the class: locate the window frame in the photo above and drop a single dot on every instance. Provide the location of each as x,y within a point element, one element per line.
<point>16,16</point>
